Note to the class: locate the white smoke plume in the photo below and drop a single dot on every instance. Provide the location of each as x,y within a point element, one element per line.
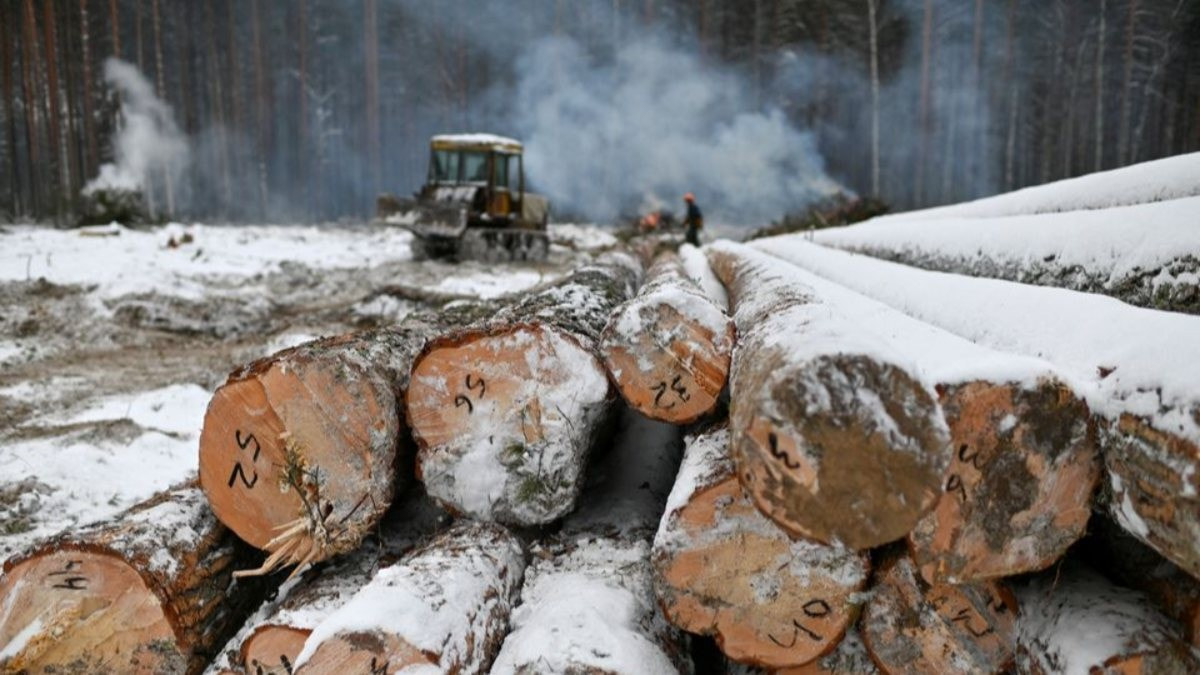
<point>148,140</point>
<point>652,122</point>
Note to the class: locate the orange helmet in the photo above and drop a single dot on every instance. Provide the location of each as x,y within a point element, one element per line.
<point>689,197</point>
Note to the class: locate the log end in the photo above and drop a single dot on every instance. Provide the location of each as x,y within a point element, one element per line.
<point>503,421</point>
<point>365,652</point>
<point>87,608</point>
<point>300,438</point>
<point>1019,489</point>
<point>669,360</point>
<point>838,448</point>
<point>273,649</point>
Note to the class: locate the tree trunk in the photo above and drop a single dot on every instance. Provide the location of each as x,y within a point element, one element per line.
<point>373,138</point>
<point>909,626</point>
<point>445,606</point>
<point>29,94</point>
<point>1124,633</point>
<point>923,119</point>
<point>260,110</point>
<point>874,40</point>
<point>1098,164</point>
<point>55,130</point>
<point>505,410</point>
<point>718,571</point>
<point>668,349</point>
<point>307,442</point>
<point>805,440</point>
<point>91,157</point>
<point>150,591</point>
<point>161,87</point>
<point>1126,85</point>
<point>114,24</point>
<point>7,33</point>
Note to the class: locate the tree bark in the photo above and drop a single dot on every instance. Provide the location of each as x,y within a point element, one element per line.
<point>874,41</point>
<point>7,33</point>
<point>505,410</point>
<point>92,153</point>
<point>718,570</point>
<point>29,94</point>
<point>306,442</point>
<point>260,109</point>
<point>445,606</point>
<point>909,626</point>
<point>1136,637</point>
<point>805,441</point>
<point>373,138</point>
<point>150,591</point>
<point>1019,489</point>
<point>1098,164</point>
<point>668,349</point>
<point>55,130</point>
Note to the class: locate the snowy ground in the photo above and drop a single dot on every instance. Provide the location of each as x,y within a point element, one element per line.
<point>111,341</point>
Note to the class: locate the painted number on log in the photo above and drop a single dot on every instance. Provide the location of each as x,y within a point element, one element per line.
<point>955,483</point>
<point>675,387</point>
<point>70,577</point>
<point>773,442</point>
<point>463,399</point>
<point>967,616</point>
<point>813,609</point>
<point>238,472</point>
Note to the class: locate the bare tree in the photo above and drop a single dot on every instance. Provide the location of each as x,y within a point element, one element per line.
<point>1099,127</point>
<point>874,38</point>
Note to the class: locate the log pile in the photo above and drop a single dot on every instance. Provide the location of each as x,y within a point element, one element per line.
<point>882,495</point>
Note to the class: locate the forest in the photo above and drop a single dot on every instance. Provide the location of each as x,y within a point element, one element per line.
<point>261,110</point>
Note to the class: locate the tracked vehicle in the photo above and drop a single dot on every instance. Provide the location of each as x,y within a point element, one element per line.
<point>473,205</point>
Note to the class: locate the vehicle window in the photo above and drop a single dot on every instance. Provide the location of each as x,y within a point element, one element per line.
<point>474,167</point>
<point>514,172</point>
<point>501,171</point>
<point>444,168</point>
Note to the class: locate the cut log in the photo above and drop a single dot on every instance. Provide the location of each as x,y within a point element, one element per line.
<point>1020,485</point>
<point>1133,366</point>
<point>1077,622</point>
<point>588,605</point>
<point>299,450</point>
<point>849,658</point>
<point>835,434</point>
<point>1149,267</point>
<point>668,349</point>
<point>1130,563</point>
<point>444,607</point>
<point>723,569</point>
<point>505,411</point>
<point>150,591</point>
<point>909,626</point>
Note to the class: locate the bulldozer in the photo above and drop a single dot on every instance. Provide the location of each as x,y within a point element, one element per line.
<point>473,205</point>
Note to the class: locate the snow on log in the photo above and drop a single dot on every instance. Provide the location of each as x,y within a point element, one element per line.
<point>504,411</point>
<point>1077,622</point>
<point>723,569</point>
<point>668,349</point>
<point>1155,181</point>
<point>835,434</point>
<point>909,626</point>
<point>272,638</point>
<point>1019,489</point>
<point>150,591</point>
<point>697,267</point>
<point>1136,368</point>
<point>588,604</point>
<point>444,607</point>
<point>1146,255</point>
<point>299,450</point>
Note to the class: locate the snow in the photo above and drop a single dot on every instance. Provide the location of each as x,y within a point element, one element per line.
<point>700,271</point>
<point>440,599</point>
<point>1102,248</point>
<point>488,284</point>
<point>476,138</point>
<point>139,261</point>
<point>176,409</point>
<point>587,608</point>
<point>1073,623</point>
<point>582,237</point>
<point>1158,180</point>
<point>1123,359</point>
<point>18,641</point>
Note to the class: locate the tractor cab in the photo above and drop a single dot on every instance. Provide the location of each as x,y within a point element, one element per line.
<point>484,169</point>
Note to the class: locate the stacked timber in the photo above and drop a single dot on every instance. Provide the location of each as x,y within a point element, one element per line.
<point>444,607</point>
<point>835,434</point>
<point>587,605</point>
<point>668,349</point>
<point>723,569</point>
<point>1136,368</point>
<point>505,410</point>
<point>299,450</point>
<point>149,591</point>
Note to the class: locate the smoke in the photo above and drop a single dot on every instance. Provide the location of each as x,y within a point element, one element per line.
<point>652,121</point>
<point>148,141</point>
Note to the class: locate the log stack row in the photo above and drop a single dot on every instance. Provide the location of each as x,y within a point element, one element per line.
<point>858,492</point>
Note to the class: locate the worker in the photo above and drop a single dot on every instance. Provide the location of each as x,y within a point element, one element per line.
<point>694,220</point>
